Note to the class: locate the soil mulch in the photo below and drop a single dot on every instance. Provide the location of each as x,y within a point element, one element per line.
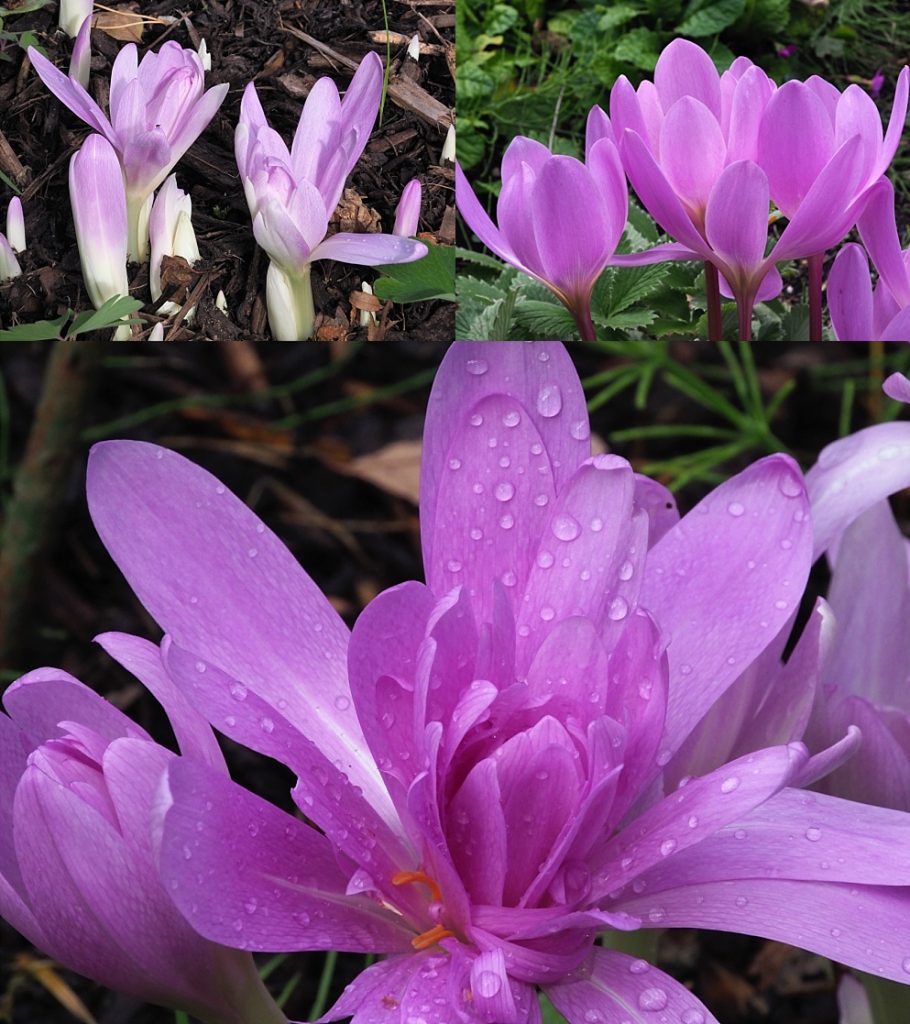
<point>295,431</point>
<point>284,47</point>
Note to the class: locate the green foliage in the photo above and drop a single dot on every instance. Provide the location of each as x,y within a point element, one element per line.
<point>23,39</point>
<point>112,314</point>
<point>432,277</point>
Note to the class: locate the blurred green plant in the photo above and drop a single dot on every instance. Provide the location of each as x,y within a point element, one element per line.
<point>114,313</point>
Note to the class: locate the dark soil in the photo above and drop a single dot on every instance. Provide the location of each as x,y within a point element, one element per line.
<point>287,447</point>
<point>248,40</point>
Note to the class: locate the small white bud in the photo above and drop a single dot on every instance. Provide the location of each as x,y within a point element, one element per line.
<point>414,47</point>
<point>448,147</point>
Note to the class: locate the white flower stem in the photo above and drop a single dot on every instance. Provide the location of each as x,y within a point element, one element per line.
<point>289,298</point>
<point>137,213</point>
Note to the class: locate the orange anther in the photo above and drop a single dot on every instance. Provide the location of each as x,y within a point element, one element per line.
<point>404,877</point>
<point>430,938</point>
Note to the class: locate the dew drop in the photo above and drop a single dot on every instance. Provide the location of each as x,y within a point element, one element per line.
<point>220,489</point>
<point>652,999</point>
<point>735,509</point>
<point>663,758</point>
<point>509,579</point>
<point>813,834</point>
<point>507,521</point>
<point>741,901</point>
<point>488,984</point>
<point>477,367</point>
<point>547,613</point>
<point>905,964</point>
<point>639,967</point>
<point>511,418</point>
<point>780,604</point>
<point>260,527</point>
<point>566,528</point>
<point>251,905</point>
<point>580,430</point>
<point>692,822</point>
<point>626,571</point>
<point>238,691</point>
<point>200,666</point>
<point>504,492</point>
<point>667,847</point>
<point>740,833</point>
<point>619,609</point>
<point>692,1017</point>
<point>342,702</point>
<point>476,419</point>
<point>454,464</point>
<point>790,486</point>
<point>685,670</point>
<point>453,565</point>
<point>476,533</point>
<point>729,784</point>
<point>266,725</point>
<point>549,401</point>
<point>544,559</point>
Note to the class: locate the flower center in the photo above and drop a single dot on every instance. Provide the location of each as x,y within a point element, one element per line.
<point>438,932</point>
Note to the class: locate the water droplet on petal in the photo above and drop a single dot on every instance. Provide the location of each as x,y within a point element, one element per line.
<point>477,367</point>
<point>507,521</point>
<point>342,702</point>
<point>454,463</point>
<point>740,901</point>
<point>200,666</point>
<point>905,964</point>
<point>735,509</point>
<point>625,571</point>
<point>580,430</point>
<point>504,492</point>
<point>266,725</point>
<point>488,984</point>
<point>544,559</point>
<point>813,834</point>
<point>692,822</point>
<point>692,1017</point>
<point>476,419</point>
<point>619,609</point>
<point>509,578</point>
<point>453,565</point>
<point>652,999</point>
<point>547,613</point>
<point>511,418</point>
<point>729,784</point>
<point>549,401</point>
<point>238,691</point>
<point>667,847</point>
<point>566,527</point>
<point>639,967</point>
<point>541,500</point>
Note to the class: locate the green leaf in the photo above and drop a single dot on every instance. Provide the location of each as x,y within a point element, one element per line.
<point>473,82</point>
<point>471,146</point>
<point>617,15</point>
<point>546,320</point>
<point>24,8</point>
<point>481,259</point>
<point>640,47</point>
<point>708,19</point>
<point>41,330</point>
<point>550,1014</point>
<point>111,314</point>
<point>500,19</point>
<point>432,277</point>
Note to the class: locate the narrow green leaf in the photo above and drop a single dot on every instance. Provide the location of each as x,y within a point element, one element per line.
<point>432,277</point>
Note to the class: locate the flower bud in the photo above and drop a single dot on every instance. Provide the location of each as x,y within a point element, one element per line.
<point>414,47</point>
<point>98,199</point>
<point>72,14</point>
<point>9,265</point>
<point>171,233</point>
<point>407,215</point>
<point>15,225</point>
<point>448,147</point>
<point>81,60</point>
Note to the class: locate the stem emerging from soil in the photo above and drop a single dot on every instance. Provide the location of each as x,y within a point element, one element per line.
<point>289,298</point>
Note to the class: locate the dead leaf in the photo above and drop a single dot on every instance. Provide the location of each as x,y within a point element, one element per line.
<point>124,23</point>
<point>353,214</point>
<point>44,972</point>
<point>394,469</point>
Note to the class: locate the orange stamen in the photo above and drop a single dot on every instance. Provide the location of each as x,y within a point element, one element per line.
<point>431,937</point>
<point>404,877</point>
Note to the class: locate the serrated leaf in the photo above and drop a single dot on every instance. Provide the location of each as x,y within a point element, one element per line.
<point>470,145</point>
<point>481,259</point>
<point>473,83</point>
<point>617,15</point>
<point>630,320</point>
<point>432,277</point>
<point>708,20</point>
<point>546,320</point>
<point>639,47</point>
<point>500,19</point>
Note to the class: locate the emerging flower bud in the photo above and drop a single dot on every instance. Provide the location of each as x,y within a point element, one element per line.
<point>72,14</point>
<point>448,147</point>
<point>407,215</point>
<point>9,265</point>
<point>414,47</point>
<point>204,55</point>
<point>15,225</point>
<point>171,233</point>
<point>98,199</point>
<point>81,61</point>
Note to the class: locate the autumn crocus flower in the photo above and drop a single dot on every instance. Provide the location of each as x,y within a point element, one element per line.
<point>678,136</point>
<point>483,756</point>
<point>824,150</point>
<point>859,312</point>
<point>158,106</point>
<point>292,194</point>
<point>558,219</point>
<point>99,209</point>
<point>78,867</point>
<point>81,60</point>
